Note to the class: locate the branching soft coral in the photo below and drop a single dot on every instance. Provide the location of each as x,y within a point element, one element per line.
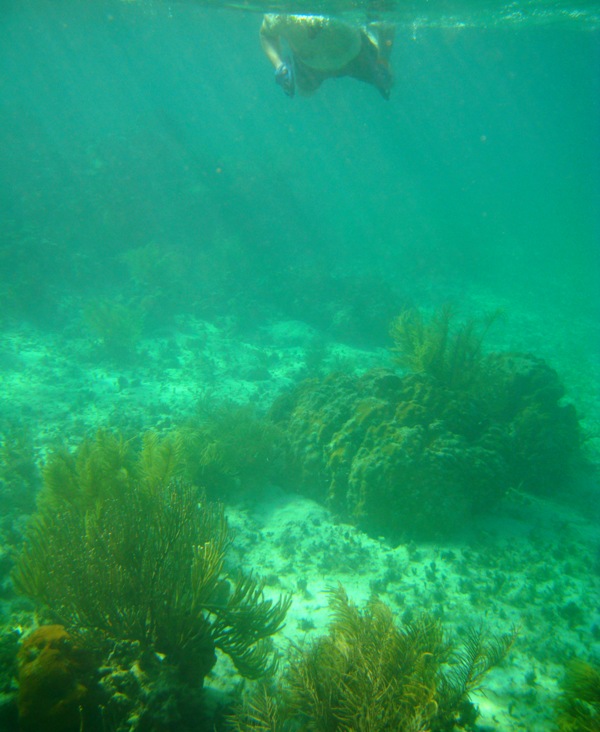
<point>138,555</point>
<point>368,673</point>
<point>579,706</point>
<point>450,353</point>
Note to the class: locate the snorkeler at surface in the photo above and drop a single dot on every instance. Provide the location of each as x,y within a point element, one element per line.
<point>307,49</point>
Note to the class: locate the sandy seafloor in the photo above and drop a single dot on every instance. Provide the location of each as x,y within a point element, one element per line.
<point>535,564</point>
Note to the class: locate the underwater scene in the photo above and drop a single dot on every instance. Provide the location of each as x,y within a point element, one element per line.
<point>299,366</point>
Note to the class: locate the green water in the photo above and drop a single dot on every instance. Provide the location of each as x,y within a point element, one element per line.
<point>124,124</point>
<point>173,228</point>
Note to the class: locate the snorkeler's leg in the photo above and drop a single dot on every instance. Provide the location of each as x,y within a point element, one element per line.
<point>381,36</point>
<point>369,66</point>
<point>271,44</point>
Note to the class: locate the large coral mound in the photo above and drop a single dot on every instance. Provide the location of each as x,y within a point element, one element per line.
<point>411,455</point>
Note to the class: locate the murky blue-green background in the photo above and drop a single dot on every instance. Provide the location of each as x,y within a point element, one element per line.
<point>175,230</point>
<point>123,124</point>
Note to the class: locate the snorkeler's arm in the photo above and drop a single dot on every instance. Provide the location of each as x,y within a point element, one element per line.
<point>271,43</point>
<point>270,39</point>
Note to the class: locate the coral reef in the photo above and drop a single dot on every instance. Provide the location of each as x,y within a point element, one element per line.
<point>229,448</point>
<point>19,480</point>
<point>10,638</point>
<point>439,347</point>
<point>58,689</point>
<point>19,474</point>
<point>369,674</point>
<point>159,279</point>
<point>522,393</point>
<point>422,453</point>
<point>121,549</point>
<point>117,326</point>
<point>579,706</point>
